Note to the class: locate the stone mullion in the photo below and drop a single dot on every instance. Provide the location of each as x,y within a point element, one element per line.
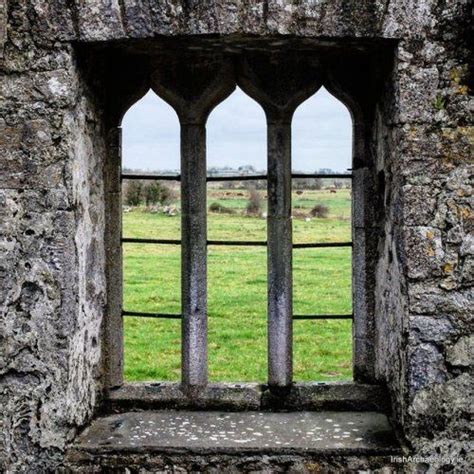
<point>113,322</point>
<point>279,83</point>
<point>193,87</point>
<point>193,255</point>
<point>279,236</point>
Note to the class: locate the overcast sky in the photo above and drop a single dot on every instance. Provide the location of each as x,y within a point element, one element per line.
<point>236,135</point>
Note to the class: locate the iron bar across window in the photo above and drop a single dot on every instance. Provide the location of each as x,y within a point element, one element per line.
<point>322,316</point>
<point>246,243</point>
<point>133,240</point>
<point>141,314</point>
<point>246,177</point>
<point>310,245</point>
<point>321,176</point>
<point>156,177</point>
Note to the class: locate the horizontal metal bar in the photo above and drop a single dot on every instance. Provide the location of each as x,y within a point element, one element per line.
<point>139,314</point>
<point>156,177</point>
<point>130,240</point>
<point>246,177</point>
<point>245,243</point>
<point>322,176</point>
<point>311,245</point>
<point>323,316</point>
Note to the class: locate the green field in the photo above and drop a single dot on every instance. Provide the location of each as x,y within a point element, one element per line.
<point>237,292</point>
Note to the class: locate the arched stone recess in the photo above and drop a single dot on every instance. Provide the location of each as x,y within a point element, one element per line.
<point>193,81</point>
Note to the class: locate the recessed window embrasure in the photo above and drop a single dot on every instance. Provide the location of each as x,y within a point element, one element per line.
<point>198,222</point>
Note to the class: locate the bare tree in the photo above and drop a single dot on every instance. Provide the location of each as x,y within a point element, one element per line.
<point>254,204</point>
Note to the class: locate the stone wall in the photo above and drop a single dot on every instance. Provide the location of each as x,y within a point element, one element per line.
<point>51,247</point>
<point>52,218</point>
<point>425,298</point>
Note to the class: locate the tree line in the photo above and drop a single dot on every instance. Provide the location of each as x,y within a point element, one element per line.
<point>150,193</point>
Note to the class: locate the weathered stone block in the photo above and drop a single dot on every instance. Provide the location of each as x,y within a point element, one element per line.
<point>3,25</point>
<point>461,354</point>
<point>427,367</point>
<point>417,94</point>
<point>442,412</point>
<point>425,254</point>
<point>425,298</point>
<point>432,329</point>
<point>99,21</point>
<point>467,247</point>
<point>467,272</point>
<point>419,204</point>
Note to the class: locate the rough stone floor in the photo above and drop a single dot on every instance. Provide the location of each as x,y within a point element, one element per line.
<point>236,432</point>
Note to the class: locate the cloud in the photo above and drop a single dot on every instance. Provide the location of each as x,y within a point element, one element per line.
<point>236,134</point>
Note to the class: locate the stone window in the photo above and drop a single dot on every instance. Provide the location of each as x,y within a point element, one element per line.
<point>136,188</point>
<point>68,73</point>
<point>193,84</point>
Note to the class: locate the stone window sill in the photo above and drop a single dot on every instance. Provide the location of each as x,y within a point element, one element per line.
<point>180,439</point>
<point>249,396</point>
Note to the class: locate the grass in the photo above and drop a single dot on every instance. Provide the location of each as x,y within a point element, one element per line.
<point>237,293</point>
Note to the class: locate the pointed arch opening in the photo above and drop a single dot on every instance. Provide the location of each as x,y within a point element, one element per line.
<point>237,281</point>
<point>151,210</point>
<point>150,137</point>
<point>321,213</point>
<point>322,135</point>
